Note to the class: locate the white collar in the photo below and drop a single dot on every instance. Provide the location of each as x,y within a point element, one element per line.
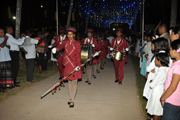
<point>27,37</point>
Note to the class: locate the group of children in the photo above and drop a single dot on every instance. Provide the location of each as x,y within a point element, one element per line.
<point>161,67</point>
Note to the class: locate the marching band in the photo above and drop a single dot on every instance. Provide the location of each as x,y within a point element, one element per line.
<point>73,54</point>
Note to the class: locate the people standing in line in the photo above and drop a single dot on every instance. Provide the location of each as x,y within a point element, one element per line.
<point>40,52</point>
<point>163,32</point>
<point>154,106</point>
<point>138,44</point>
<point>119,44</point>
<point>170,99</point>
<point>90,41</point>
<point>144,42</point>
<point>59,39</point>
<point>175,33</point>
<point>14,51</point>
<point>29,48</point>
<point>72,61</point>
<point>6,76</point>
<point>45,58</point>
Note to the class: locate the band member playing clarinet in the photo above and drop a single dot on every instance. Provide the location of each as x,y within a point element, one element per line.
<point>119,44</point>
<point>71,61</point>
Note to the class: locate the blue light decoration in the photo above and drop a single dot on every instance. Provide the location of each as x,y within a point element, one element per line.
<point>105,12</point>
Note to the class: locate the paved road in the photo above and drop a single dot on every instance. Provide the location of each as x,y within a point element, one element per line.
<point>103,100</point>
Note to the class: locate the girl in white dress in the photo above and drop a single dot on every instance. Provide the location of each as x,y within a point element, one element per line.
<point>54,60</point>
<point>159,45</point>
<point>154,106</point>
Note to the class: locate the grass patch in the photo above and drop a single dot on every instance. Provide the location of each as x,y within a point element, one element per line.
<point>22,79</point>
<point>140,82</point>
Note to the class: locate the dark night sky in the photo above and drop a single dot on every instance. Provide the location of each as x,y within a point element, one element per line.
<point>34,16</point>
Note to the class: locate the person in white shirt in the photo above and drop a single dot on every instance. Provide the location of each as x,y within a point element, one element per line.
<point>53,59</point>
<point>6,77</point>
<point>154,106</point>
<point>29,49</point>
<point>14,51</point>
<point>138,44</point>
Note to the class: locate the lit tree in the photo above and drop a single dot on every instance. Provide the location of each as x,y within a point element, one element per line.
<point>18,18</point>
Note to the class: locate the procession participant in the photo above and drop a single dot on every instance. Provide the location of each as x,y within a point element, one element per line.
<point>163,32</point>
<point>71,61</point>
<point>96,58</point>
<point>6,77</point>
<point>106,44</point>
<point>28,47</point>
<point>175,33</point>
<point>119,44</point>
<point>79,38</point>
<point>59,39</point>
<point>102,52</point>
<point>90,41</point>
<point>99,48</point>
<point>110,38</point>
<point>14,51</point>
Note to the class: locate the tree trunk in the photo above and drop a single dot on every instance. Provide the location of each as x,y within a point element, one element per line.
<point>18,18</point>
<point>70,12</point>
<point>173,13</point>
<point>18,22</point>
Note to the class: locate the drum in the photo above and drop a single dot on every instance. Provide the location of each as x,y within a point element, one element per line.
<point>86,53</point>
<point>118,55</point>
<point>59,54</point>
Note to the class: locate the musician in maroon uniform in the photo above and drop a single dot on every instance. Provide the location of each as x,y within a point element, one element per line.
<point>102,54</point>
<point>71,61</point>
<point>90,41</point>
<point>59,39</point>
<point>119,44</point>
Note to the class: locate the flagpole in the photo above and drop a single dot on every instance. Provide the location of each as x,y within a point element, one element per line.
<point>57,17</point>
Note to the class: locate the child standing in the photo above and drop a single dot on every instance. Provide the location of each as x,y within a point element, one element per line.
<point>54,60</point>
<point>159,45</point>
<point>157,84</point>
<point>170,99</point>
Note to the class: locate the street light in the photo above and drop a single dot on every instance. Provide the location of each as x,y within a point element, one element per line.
<point>41,6</point>
<point>14,17</point>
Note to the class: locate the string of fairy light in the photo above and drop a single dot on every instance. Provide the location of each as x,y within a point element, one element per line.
<point>105,12</point>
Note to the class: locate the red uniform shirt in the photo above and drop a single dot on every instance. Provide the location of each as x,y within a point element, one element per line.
<point>92,41</point>
<point>120,47</point>
<point>71,58</point>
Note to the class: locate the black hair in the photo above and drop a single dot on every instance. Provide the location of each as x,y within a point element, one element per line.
<point>28,32</point>
<point>164,59</point>
<point>176,30</point>
<point>46,31</point>
<point>175,44</point>
<point>7,27</point>
<point>38,33</point>
<point>161,44</point>
<point>1,29</point>
<point>164,26</point>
